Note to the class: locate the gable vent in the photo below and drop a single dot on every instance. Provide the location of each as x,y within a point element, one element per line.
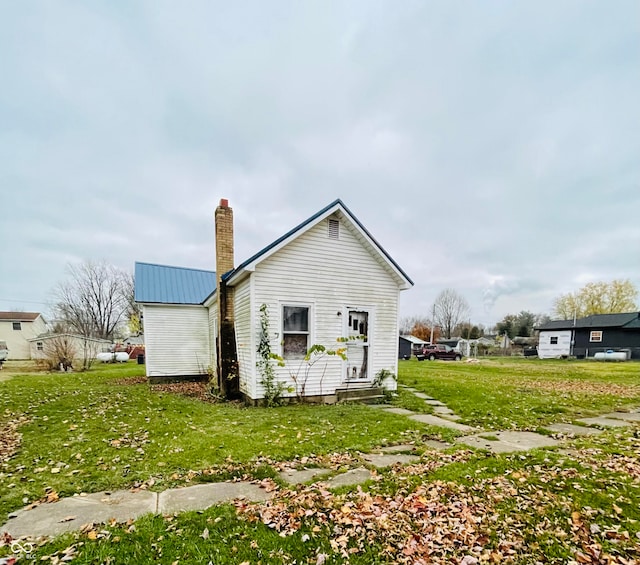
<point>334,229</point>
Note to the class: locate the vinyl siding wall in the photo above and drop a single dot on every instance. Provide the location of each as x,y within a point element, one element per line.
<point>212,316</point>
<point>330,276</point>
<point>612,338</point>
<point>177,340</point>
<point>17,343</point>
<point>246,340</point>
<point>547,350</point>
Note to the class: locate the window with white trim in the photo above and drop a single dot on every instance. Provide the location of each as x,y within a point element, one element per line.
<point>17,326</point>
<point>553,340</point>
<point>596,336</point>
<point>39,346</point>
<point>295,331</point>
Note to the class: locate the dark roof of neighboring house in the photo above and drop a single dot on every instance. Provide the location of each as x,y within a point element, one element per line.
<point>18,316</point>
<point>161,284</point>
<point>626,320</point>
<point>337,204</point>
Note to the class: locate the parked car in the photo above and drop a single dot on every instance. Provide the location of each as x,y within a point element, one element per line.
<point>433,352</point>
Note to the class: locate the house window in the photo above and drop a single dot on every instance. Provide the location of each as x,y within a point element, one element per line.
<point>17,326</point>
<point>39,346</point>
<point>553,340</point>
<point>596,336</point>
<point>334,229</point>
<point>295,331</point>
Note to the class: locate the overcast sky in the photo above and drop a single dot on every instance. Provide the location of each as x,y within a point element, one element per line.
<point>490,147</point>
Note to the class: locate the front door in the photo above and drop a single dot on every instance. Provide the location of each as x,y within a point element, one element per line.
<point>357,346</point>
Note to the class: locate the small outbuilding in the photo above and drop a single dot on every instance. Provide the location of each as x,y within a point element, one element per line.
<point>409,345</point>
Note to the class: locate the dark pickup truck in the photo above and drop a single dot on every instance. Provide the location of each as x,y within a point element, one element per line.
<point>433,352</point>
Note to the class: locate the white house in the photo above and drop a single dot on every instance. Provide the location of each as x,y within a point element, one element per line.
<point>325,282</point>
<point>17,328</point>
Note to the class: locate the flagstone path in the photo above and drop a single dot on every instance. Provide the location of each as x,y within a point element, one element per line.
<point>73,513</point>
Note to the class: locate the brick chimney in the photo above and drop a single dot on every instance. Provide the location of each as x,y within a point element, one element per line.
<point>224,255</point>
<point>228,378</point>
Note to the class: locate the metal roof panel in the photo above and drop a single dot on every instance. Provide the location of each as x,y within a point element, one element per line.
<point>163,284</point>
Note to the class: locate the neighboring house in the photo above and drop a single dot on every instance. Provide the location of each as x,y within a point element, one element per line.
<point>78,347</point>
<point>326,280</point>
<point>134,340</point>
<point>409,345</point>
<point>17,328</point>
<point>585,337</point>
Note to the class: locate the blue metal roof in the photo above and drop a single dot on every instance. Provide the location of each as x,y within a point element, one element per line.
<point>162,284</point>
<point>335,203</point>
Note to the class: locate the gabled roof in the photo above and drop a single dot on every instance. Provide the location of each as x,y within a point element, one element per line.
<point>18,316</point>
<point>161,284</point>
<point>335,206</point>
<point>414,340</point>
<point>626,320</point>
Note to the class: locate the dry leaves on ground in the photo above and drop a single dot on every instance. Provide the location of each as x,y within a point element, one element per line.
<point>499,519</point>
<point>198,390</point>
<point>10,438</point>
<point>585,387</point>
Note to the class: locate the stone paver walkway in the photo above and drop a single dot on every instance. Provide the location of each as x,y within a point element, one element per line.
<point>508,441</point>
<point>69,514</point>
<point>73,513</point>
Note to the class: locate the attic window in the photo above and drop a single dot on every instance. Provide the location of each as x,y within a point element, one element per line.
<point>334,229</point>
<point>17,326</point>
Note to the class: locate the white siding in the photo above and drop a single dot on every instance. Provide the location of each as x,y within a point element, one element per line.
<point>77,345</point>
<point>177,340</point>
<point>246,341</point>
<point>17,339</point>
<point>213,337</point>
<point>331,276</point>
<point>548,350</point>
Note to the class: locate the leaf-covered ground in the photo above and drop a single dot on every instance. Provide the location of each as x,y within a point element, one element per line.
<point>573,504</point>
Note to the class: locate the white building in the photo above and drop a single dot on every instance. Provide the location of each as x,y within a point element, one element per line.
<point>17,328</point>
<point>326,282</point>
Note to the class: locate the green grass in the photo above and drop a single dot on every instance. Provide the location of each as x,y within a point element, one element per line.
<point>546,505</point>
<point>516,393</point>
<point>87,433</point>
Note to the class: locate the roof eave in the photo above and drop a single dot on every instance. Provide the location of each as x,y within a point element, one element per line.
<point>250,264</point>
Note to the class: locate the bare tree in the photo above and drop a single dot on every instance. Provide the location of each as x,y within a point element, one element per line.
<point>92,301</point>
<point>57,353</point>
<point>449,309</point>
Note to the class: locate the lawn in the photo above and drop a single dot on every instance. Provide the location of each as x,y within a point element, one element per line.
<point>519,393</point>
<point>104,430</point>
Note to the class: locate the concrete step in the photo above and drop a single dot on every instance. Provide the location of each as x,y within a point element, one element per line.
<point>358,394</point>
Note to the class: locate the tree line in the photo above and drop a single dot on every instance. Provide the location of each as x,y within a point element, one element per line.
<point>450,312</point>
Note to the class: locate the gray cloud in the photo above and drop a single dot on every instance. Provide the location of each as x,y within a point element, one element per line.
<point>489,148</point>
